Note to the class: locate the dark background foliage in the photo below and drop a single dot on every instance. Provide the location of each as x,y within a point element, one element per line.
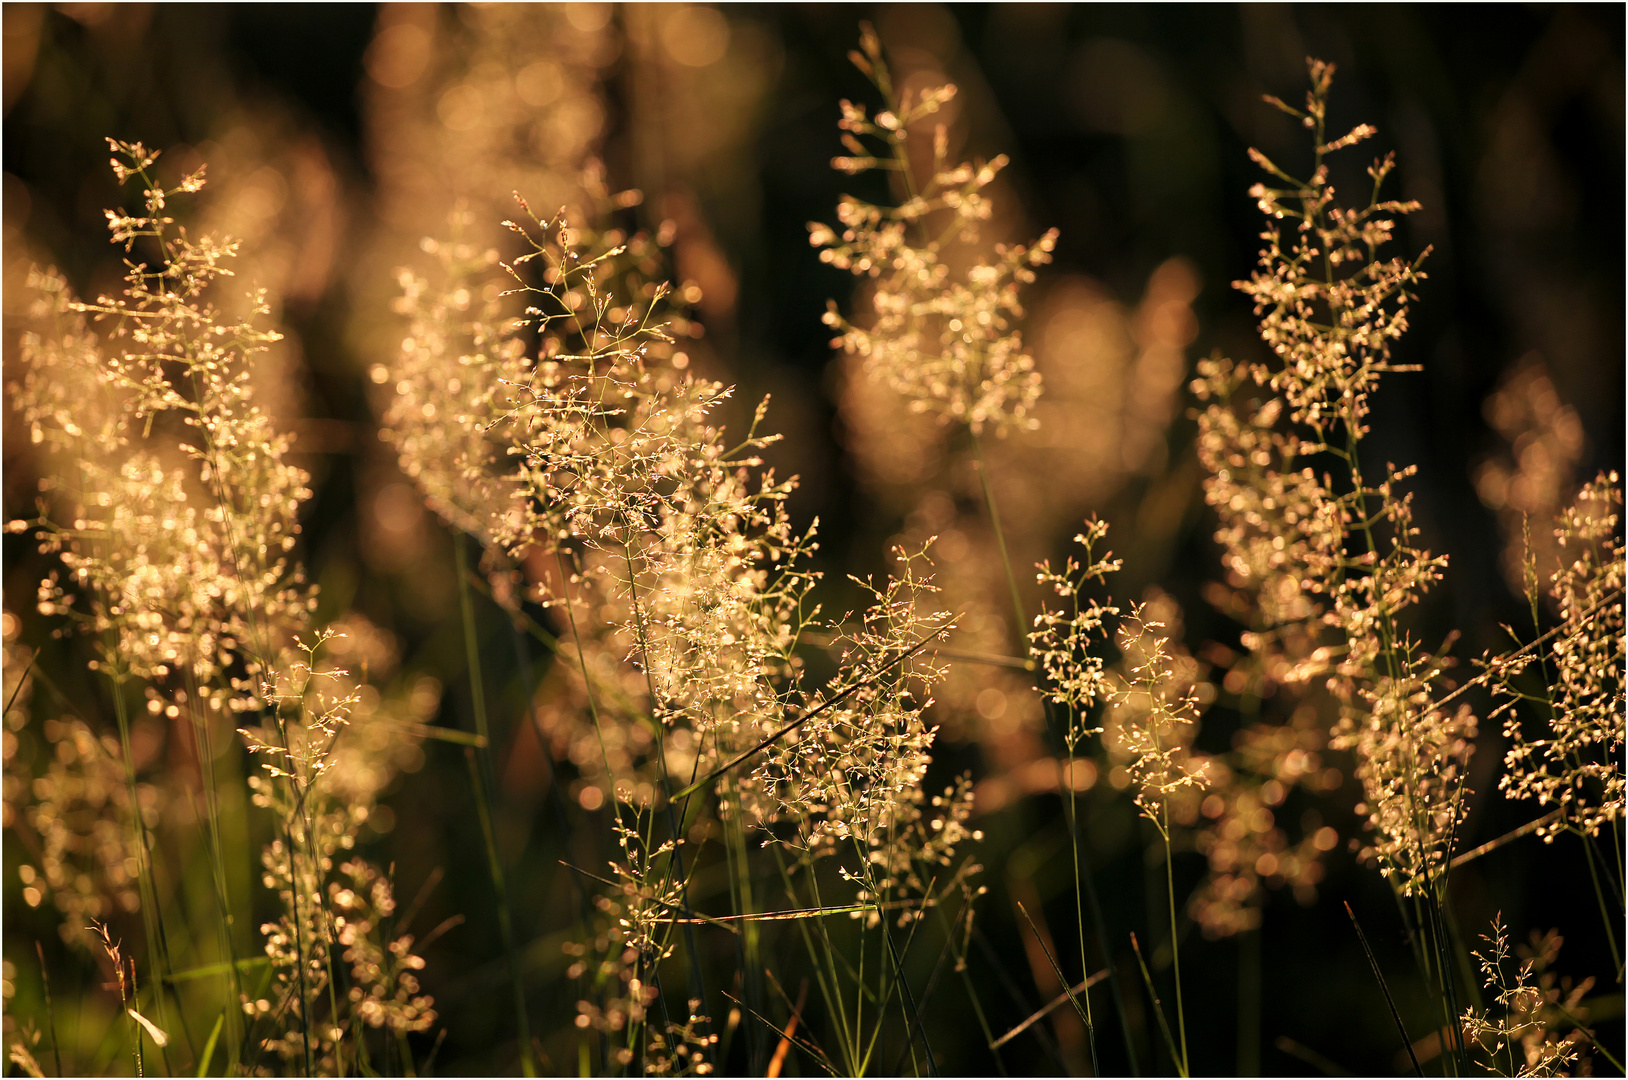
<point>1127,127</point>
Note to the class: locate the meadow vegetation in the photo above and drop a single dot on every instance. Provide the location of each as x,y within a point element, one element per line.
<point>760,772</point>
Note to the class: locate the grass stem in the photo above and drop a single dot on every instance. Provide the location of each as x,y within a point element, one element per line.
<point>1082,877</point>
<point>151,917</point>
<point>50,1012</point>
<point>1175,946</point>
<point>1068,992</point>
<point>1158,1009</point>
<point>483,777</point>
<point>1611,920</point>
<point>1384,989</point>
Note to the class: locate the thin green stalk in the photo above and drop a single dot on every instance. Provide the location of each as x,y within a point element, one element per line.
<point>741,902</point>
<point>1000,543</point>
<point>204,748</point>
<point>333,997</point>
<point>1605,913</point>
<point>587,681</point>
<point>1412,928</point>
<point>556,800</point>
<point>998,966</point>
<point>359,1053</point>
<point>1175,942</point>
<point>1444,981</point>
<point>860,992</point>
<point>903,983</point>
<point>966,979</point>
<point>297,893</point>
<point>300,814</point>
<point>252,1049</point>
<point>859,1052</point>
<point>1158,1008</point>
<point>151,917</point>
<point>1068,991</point>
<point>1087,879</point>
<point>477,780</point>
<point>562,812</point>
<point>830,983</point>
<point>1470,984</point>
<point>1079,909</point>
<point>405,1049</point>
<point>1407,1043</point>
<point>1101,926</point>
<point>675,859</point>
<point>604,751</point>
<point>1613,867</point>
<point>1616,848</point>
<point>1447,944</point>
<point>50,1013</point>
<point>131,1007</point>
<point>208,1054</point>
<point>483,776</point>
<point>1589,1035</point>
<point>910,1004</point>
<point>1162,825</point>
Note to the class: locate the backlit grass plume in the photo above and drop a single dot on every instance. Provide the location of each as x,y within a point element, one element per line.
<point>728,806</point>
<point>1540,1031</point>
<point>1341,552</point>
<point>943,309</point>
<point>684,600</point>
<point>1575,765</point>
<point>169,497</point>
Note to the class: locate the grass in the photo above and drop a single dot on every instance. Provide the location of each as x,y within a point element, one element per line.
<point>775,785</point>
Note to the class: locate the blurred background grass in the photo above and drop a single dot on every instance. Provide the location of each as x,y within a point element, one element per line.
<point>1127,127</point>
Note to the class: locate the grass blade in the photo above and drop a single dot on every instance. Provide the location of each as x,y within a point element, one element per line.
<point>1514,834</point>
<point>778,1061</point>
<point>1373,963</point>
<point>1050,1007</point>
<point>210,970</point>
<point>1068,992</point>
<point>909,998</point>
<point>1589,1035</point>
<point>484,778</point>
<point>209,1046</point>
<point>50,1012</point>
<point>1158,1006</point>
<point>813,1051</point>
<point>21,679</point>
